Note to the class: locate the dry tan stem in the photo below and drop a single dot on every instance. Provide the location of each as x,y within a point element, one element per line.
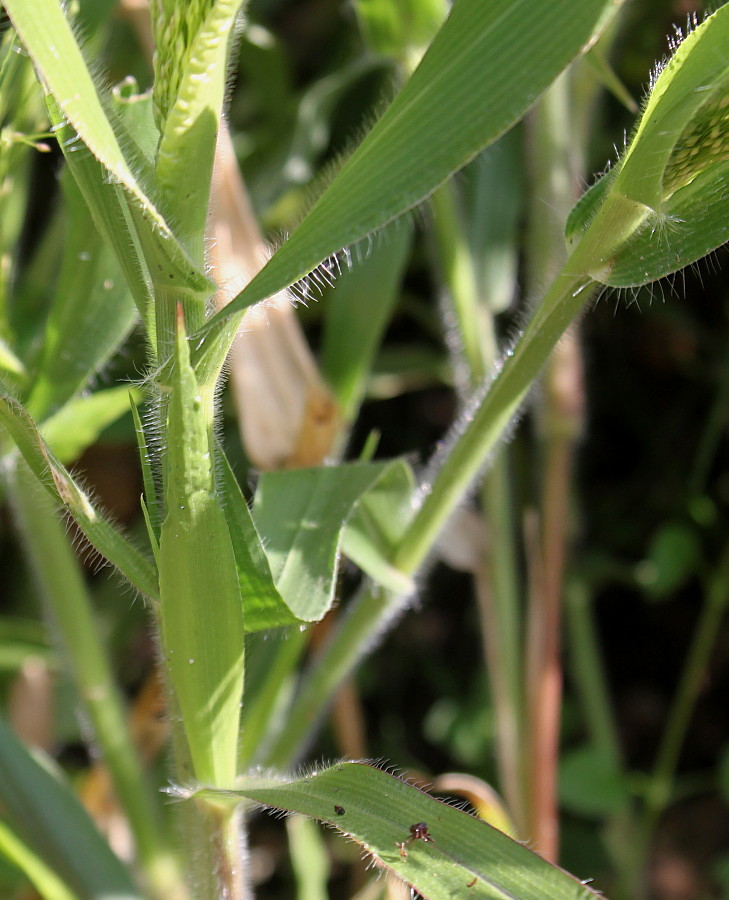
<point>563,423</point>
<point>287,414</point>
<point>30,703</point>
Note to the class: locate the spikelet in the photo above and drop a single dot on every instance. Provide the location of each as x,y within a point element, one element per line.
<point>704,142</point>
<point>175,24</point>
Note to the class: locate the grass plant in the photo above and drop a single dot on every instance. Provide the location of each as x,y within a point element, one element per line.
<point>234,583</point>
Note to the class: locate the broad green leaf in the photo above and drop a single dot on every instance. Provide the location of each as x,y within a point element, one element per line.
<point>59,483</point>
<point>78,424</point>
<point>665,204</point>
<point>493,56</point>
<point>200,600</point>
<point>378,524</point>
<point>357,311</point>
<point>263,606</point>
<point>49,819</point>
<point>461,857</point>
<point>300,515</point>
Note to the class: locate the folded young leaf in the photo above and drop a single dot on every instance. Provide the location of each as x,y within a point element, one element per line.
<point>190,75</point>
<point>61,485</point>
<point>263,606</point>
<point>300,516</point>
<point>440,851</point>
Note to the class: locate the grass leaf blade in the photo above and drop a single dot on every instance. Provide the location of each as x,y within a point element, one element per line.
<point>460,856</point>
<point>484,69</point>
<point>61,485</point>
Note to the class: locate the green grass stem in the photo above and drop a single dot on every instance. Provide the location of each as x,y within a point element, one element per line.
<point>467,456</point>
<point>491,419</point>
<point>496,578</point>
<point>368,615</point>
<point>589,674</point>
<point>497,593</point>
<point>260,711</point>
<point>661,785</point>
<point>473,322</point>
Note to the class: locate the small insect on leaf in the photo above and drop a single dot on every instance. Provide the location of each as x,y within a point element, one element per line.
<point>418,832</point>
<point>339,810</point>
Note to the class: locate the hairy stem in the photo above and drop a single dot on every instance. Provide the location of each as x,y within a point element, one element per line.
<point>662,779</point>
<point>466,456</point>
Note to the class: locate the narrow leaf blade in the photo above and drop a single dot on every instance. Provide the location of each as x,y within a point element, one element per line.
<point>495,58</point>
<point>189,132</point>
<point>463,857</point>
<point>58,481</point>
<point>52,822</point>
<point>78,424</point>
